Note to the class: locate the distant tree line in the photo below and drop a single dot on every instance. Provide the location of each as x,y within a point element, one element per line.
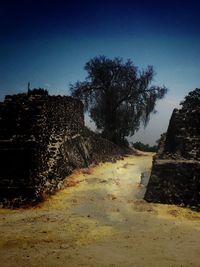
<point>145,147</point>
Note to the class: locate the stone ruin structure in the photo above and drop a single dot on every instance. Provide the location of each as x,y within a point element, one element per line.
<point>42,140</point>
<point>175,176</point>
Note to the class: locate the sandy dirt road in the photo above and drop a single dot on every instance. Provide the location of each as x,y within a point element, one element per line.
<point>101,220</point>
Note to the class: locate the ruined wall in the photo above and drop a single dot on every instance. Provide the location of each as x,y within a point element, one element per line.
<point>183,135</point>
<point>42,140</point>
<point>175,176</point>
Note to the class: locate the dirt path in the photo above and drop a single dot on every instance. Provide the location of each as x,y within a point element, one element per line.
<point>101,220</point>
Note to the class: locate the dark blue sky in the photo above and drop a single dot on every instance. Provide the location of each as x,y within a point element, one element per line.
<point>49,42</point>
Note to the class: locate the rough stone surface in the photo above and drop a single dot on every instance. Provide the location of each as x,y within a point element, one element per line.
<point>175,176</point>
<point>42,140</point>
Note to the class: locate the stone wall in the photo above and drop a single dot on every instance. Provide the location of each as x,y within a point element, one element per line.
<point>175,176</point>
<point>42,140</point>
<point>183,135</point>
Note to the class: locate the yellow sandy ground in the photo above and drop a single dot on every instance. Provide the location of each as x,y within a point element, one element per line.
<point>101,220</point>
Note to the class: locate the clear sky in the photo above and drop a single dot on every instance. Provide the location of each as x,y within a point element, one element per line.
<point>49,42</point>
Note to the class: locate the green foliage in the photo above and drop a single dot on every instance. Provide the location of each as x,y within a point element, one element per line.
<point>118,96</point>
<point>143,147</point>
<point>192,100</point>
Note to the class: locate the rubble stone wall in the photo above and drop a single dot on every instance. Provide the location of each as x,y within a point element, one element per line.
<point>183,135</point>
<point>42,140</point>
<point>175,176</point>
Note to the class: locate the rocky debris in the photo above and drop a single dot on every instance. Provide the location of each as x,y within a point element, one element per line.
<point>42,140</point>
<point>175,176</point>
